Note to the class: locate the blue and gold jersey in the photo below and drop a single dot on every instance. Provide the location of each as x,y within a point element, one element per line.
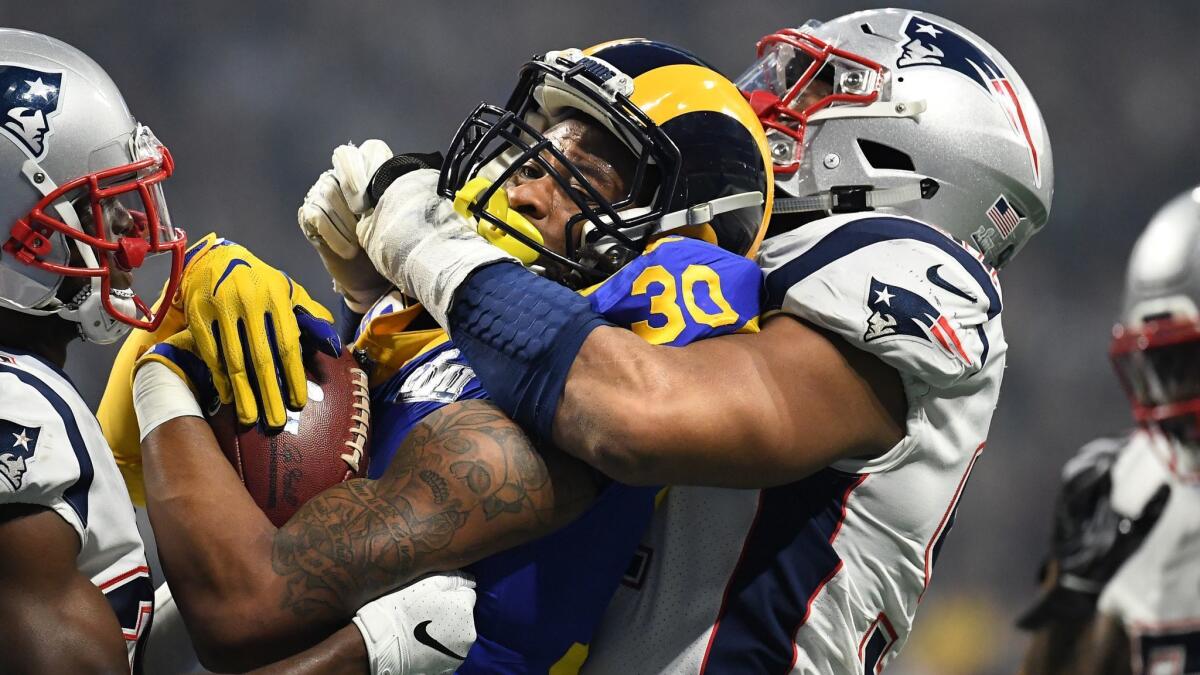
<point>538,604</point>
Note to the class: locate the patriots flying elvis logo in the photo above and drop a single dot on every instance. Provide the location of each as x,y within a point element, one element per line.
<point>931,44</point>
<point>897,311</point>
<point>28,100</point>
<point>17,443</point>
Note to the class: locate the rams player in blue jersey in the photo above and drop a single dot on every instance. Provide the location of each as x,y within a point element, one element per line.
<point>920,163</point>
<point>635,131</point>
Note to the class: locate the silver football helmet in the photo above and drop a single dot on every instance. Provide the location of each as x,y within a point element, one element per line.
<point>83,195</point>
<point>1156,344</point>
<point>904,112</point>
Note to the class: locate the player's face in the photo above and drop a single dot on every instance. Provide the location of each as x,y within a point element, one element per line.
<point>816,91</point>
<point>600,157</point>
<point>119,222</point>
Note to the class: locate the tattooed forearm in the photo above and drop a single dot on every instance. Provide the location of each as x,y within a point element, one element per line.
<point>465,483</point>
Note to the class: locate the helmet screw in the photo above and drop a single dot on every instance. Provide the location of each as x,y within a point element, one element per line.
<point>39,177</point>
<point>900,108</point>
<point>831,161</point>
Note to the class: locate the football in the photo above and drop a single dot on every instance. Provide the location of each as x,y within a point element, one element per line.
<point>319,447</point>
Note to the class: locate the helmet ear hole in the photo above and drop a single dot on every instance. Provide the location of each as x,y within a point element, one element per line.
<point>881,156</point>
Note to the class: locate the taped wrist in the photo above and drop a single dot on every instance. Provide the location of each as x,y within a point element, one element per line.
<point>159,396</point>
<point>521,333</point>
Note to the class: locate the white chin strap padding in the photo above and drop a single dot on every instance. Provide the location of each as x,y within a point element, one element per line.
<point>96,325</point>
<point>697,214</point>
<point>700,214</point>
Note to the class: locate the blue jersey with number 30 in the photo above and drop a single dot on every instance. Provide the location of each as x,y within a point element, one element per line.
<point>538,604</point>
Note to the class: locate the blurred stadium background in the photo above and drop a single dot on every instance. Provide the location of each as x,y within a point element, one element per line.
<point>251,97</point>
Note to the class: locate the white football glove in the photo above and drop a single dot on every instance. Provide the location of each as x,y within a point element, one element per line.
<point>329,219</point>
<point>425,627</point>
<point>415,238</point>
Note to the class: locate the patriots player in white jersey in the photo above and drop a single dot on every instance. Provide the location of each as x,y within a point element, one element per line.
<point>857,413</point>
<point>81,210</point>
<point>1123,585</point>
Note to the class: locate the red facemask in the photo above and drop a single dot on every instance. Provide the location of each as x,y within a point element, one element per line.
<point>1159,367</point>
<point>146,231</point>
<point>789,62</point>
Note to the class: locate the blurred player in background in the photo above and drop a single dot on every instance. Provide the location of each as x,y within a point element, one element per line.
<point>579,145</point>
<point>859,409</point>
<point>1123,582</point>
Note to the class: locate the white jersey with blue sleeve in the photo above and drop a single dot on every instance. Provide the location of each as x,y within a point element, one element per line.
<point>53,454</point>
<point>825,575</point>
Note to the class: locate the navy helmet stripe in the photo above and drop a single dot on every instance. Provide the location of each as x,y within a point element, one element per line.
<point>786,560</point>
<point>77,494</point>
<point>859,234</point>
<point>635,57</point>
<point>722,158</point>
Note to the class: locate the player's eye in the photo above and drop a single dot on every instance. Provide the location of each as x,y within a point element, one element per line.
<point>530,172</point>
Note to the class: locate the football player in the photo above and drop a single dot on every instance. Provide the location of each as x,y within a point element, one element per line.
<point>1123,588</point>
<point>858,411</point>
<point>83,209</point>
<point>633,131</point>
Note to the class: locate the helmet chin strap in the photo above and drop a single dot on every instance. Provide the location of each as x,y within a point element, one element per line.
<point>95,324</point>
<point>697,214</point>
<point>853,198</point>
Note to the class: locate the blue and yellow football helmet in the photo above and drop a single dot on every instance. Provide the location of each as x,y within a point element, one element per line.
<point>703,168</point>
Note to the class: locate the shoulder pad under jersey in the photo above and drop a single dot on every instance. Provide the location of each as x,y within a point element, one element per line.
<point>44,458</point>
<point>681,290</point>
<point>896,287</point>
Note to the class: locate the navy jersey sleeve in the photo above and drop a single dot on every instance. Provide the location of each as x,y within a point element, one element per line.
<point>44,460</point>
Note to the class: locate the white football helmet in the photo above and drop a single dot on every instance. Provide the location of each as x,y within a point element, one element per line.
<point>908,113</point>
<point>1156,344</point>
<point>71,148</point>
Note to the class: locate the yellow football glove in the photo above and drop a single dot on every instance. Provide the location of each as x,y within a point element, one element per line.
<point>237,306</point>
